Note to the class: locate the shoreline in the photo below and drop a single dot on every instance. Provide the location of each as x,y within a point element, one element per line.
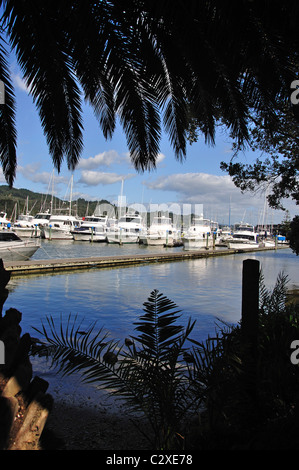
<point>85,427</point>
<point>84,417</point>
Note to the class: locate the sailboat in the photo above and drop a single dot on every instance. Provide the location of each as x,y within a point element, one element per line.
<point>60,225</point>
<point>128,228</point>
<point>23,226</point>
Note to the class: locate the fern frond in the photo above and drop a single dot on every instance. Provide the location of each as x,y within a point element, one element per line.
<point>157,328</point>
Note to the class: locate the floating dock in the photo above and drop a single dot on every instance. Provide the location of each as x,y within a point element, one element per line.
<point>21,268</point>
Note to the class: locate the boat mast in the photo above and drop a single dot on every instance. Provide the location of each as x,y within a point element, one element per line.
<point>71,195</point>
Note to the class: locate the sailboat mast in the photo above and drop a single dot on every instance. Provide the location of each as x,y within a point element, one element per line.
<point>71,195</point>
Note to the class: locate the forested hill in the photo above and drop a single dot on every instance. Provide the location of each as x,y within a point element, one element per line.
<point>13,199</point>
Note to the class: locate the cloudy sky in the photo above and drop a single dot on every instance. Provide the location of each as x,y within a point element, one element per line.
<point>106,164</point>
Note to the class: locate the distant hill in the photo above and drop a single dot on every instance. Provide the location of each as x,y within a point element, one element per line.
<point>16,200</point>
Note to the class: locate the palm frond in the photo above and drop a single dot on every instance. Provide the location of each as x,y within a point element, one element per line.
<point>73,350</point>
<point>37,36</point>
<point>8,133</point>
<point>157,325</point>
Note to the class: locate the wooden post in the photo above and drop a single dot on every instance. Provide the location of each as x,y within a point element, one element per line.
<point>250,300</point>
<point>249,328</point>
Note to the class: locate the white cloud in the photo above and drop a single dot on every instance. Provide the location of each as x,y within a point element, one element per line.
<point>32,173</point>
<point>159,159</point>
<point>194,186</point>
<point>216,193</point>
<point>19,82</point>
<point>94,178</point>
<point>105,159</point>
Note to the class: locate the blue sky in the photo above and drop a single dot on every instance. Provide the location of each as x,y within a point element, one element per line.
<point>104,164</point>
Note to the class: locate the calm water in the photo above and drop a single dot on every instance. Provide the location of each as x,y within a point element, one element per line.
<point>204,289</point>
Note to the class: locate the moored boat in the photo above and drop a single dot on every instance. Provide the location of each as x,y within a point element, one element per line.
<point>129,229</point>
<point>92,228</point>
<point>244,236</point>
<point>23,225</point>
<point>199,235</point>
<point>59,227</point>
<point>161,232</point>
<point>13,248</point>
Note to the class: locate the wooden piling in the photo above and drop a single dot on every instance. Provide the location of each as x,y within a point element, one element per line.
<point>250,300</point>
<point>249,329</point>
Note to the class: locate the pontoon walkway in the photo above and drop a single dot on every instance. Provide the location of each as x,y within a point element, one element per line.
<point>20,268</point>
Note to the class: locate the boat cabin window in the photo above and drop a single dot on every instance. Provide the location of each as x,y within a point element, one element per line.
<point>43,216</point>
<point>129,219</point>
<point>245,237</point>
<point>8,237</point>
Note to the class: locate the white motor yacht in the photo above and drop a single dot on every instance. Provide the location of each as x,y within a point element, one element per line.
<point>40,220</point>
<point>161,232</point>
<point>199,235</point>
<point>59,227</point>
<point>129,229</point>
<point>244,236</point>
<point>23,226</point>
<point>12,248</point>
<point>92,228</point>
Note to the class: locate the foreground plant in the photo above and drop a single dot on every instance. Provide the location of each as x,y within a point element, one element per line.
<point>243,407</point>
<point>148,372</point>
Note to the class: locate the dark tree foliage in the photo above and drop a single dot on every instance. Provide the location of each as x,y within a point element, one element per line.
<point>152,64</point>
<point>276,169</point>
<point>294,235</point>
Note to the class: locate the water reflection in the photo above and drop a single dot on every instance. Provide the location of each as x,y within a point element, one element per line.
<point>205,289</point>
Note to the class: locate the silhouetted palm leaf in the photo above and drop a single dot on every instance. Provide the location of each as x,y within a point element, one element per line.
<point>148,63</point>
<point>8,134</point>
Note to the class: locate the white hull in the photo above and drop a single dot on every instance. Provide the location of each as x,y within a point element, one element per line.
<point>158,241</point>
<point>98,237</point>
<point>57,234</point>
<point>197,243</point>
<point>19,250</point>
<point>161,232</point>
<point>268,243</point>
<point>89,235</point>
<point>26,232</point>
<point>239,245</point>
<point>93,228</point>
<point>81,236</point>
<point>60,227</point>
<point>199,235</point>
<point>122,238</point>
<point>244,237</point>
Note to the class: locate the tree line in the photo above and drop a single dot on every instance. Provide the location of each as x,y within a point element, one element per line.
<point>15,201</point>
